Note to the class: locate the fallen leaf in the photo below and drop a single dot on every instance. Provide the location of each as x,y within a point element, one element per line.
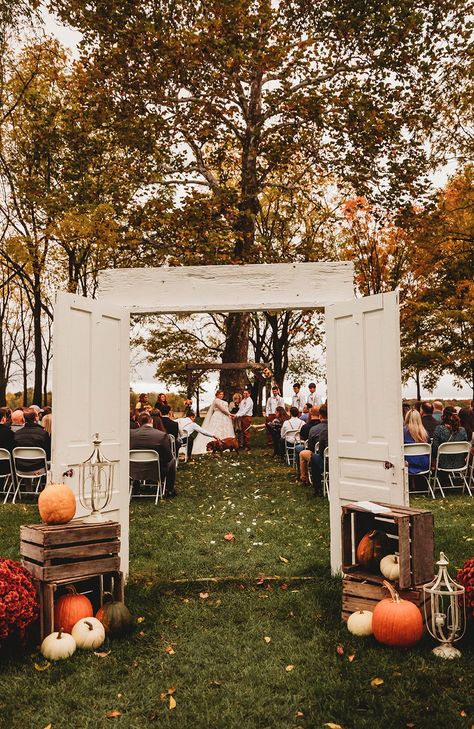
<point>462,713</point>
<point>289,668</point>
<point>102,654</point>
<point>113,714</point>
<point>172,703</point>
<point>204,595</point>
<point>42,666</point>
<point>299,714</point>
<point>141,634</point>
<point>410,725</point>
<point>48,726</point>
<point>283,586</point>
<point>350,658</point>
<point>140,620</point>
<point>169,650</point>
<point>340,649</point>
<point>229,537</point>
<point>215,684</point>
<point>261,581</point>
<point>331,725</point>
<point>267,639</point>
<point>376,682</point>
<point>283,559</point>
<point>168,692</point>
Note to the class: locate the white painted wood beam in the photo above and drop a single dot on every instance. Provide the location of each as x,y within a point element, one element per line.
<point>249,287</point>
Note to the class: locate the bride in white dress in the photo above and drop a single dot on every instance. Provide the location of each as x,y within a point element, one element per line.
<point>218,420</point>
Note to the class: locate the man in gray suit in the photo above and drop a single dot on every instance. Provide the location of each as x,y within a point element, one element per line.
<point>146,437</point>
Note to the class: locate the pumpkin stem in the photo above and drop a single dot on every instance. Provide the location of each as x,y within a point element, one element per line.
<point>89,625</point>
<point>393,593</point>
<point>109,595</point>
<point>60,634</point>
<point>71,589</point>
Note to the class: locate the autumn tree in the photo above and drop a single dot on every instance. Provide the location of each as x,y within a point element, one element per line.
<point>242,87</point>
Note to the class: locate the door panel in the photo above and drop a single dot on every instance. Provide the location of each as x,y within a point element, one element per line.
<point>91,394</point>
<point>364,406</point>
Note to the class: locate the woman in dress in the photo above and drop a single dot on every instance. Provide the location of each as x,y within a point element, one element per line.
<point>160,402</point>
<point>450,430</point>
<point>218,421</point>
<point>414,432</point>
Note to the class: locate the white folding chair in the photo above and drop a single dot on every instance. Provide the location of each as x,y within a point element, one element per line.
<point>142,457</point>
<point>453,448</point>
<point>34,478</point>
<point>326,472</point>
<point>7,480</point>
<point>173,447</point>
<point>290,445</point>
<point>421,449</point>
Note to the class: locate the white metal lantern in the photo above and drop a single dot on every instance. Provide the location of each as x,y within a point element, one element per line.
<point>96,478</point>
<point>447,620</point>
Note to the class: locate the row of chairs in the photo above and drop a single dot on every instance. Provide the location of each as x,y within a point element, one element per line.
<point>156,488</point>
<point>440,477</point>
<point>15,479</point>
<point>290,457</point>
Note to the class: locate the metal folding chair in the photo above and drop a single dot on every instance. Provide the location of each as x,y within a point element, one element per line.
<point>7,480</point>
<point>147,456</point>
<point>421,449</point>
<point>34,478</point>
<point>173,447</point>
<point>453,448</point>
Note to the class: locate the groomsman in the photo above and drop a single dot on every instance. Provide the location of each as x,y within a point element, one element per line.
<point>270,409</point>
<point>245,413</point>
<point>299,398</point>
<point>313,398</point>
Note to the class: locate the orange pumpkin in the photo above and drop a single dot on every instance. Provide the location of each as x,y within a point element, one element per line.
<point>70,608</point>
<point>372,547</point>
<point>57,504</point>
<point>396,621</point>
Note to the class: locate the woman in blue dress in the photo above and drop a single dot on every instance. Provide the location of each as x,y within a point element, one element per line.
<point>414,432</point>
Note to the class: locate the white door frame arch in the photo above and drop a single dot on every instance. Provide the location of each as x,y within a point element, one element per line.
<point>91,367</point>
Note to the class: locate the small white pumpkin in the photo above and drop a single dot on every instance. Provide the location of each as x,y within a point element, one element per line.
<point>57,646</point>
<point>390,567</point>
<point>89,633</point>
<point>360,623</point>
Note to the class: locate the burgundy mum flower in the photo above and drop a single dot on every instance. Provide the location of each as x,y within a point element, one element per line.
<point>18,603</point>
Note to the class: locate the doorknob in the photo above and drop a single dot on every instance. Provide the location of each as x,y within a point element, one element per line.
<point>387,465</point>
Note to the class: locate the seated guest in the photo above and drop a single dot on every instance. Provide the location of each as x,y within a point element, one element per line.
<point>429,422</point>
<point>157,421</point>
<point>6,439</point>
<point>47,420</point>
<point>304,434</point>
<point>438,410</point>
<point>406,407</point>
<point>143,403</point>
<point>466,417</point>
<point>171,426</point>
<point>161,402</point>
<point>274,427</point>
<point>415,432</point>
<point>305,414</point>
<point>32,435</point>
<point>18,420</point>
<point>313,438</point>
<point>452,431</point>
<point>146,437</point>
<point>190,428</point>
<point>294,423</point>
<point>133,420</point>
<point>273,402</point>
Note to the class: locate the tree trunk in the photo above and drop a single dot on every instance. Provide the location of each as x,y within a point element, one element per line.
<point>3,375</point>
<point>418,386</point>
<point>38,344</point>
<point>235,350</point>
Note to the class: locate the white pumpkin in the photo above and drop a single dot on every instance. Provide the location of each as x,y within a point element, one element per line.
<point>390,567</point>
<point>89,633</point>
<point>57,646</point>
<point>360,623</point>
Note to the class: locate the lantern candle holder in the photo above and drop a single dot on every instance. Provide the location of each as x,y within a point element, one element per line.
<point>96,478</point>
<point>447,621</point>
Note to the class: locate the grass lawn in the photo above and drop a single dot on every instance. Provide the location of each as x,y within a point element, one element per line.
<point>241,651</point>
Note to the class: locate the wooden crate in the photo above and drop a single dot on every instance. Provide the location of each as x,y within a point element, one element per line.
<point>362,592</point>
<point>93,586</point>
<point>70,551</point>
<point>410,531</point>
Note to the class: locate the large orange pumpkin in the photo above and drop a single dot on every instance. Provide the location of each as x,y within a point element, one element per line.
<point>70,608</point>
<point>57,504</point>
<point>396,621</point>
<point>372,547</point>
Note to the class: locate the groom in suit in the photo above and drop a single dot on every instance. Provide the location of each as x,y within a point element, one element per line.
<point>245,413</point>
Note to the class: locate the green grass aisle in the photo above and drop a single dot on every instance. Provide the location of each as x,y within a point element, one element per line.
<point>241,652</point>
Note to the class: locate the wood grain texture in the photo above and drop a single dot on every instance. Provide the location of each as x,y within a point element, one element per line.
<point>250,287</point>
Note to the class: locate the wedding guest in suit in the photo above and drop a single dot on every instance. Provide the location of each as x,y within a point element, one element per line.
<point>32,435</point>
<point>6,439</point>
<point>427,419</point>
<point>146,437</point>
<point>171,426</point>
<point>18,420</point>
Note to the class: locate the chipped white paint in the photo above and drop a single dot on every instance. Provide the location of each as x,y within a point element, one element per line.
<point>365,407</point>
<point>251,287</point>
<point>91,394</point>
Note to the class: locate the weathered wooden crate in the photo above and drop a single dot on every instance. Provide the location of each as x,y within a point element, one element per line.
<point>362,592</point>
<point>69,551</point>
<point>411,532</point>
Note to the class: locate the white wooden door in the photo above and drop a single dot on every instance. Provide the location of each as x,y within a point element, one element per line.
<point>91,394</point>
<point>364,407</point>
